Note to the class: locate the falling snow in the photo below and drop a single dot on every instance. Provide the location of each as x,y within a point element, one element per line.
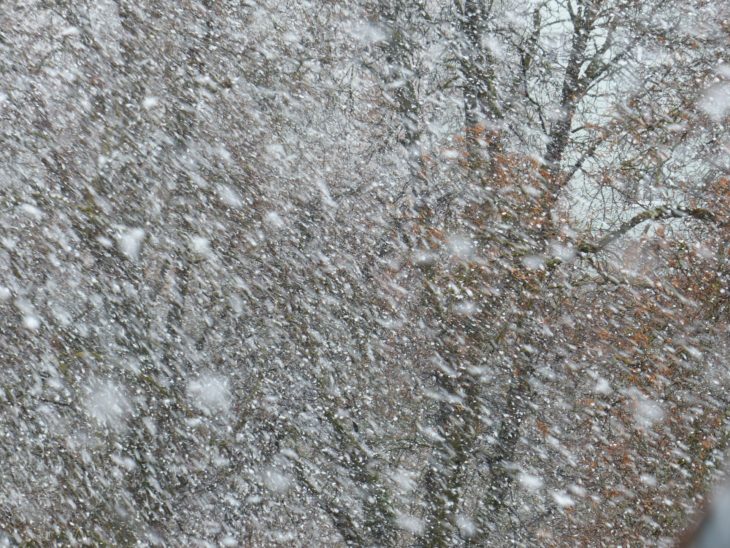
<point>364,273</point>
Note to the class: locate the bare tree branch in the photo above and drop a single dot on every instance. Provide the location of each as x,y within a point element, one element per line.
<point>657,214</point>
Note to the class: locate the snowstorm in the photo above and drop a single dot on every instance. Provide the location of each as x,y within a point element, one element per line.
<point>378,273</point>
